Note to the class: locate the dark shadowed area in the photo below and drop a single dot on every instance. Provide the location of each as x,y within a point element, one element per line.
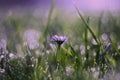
<point>21,3</point>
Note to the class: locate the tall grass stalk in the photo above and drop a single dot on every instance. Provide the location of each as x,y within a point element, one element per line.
<point>45,33</point>
<point>86,24</point>
<point>86,41</point>
<point>18,24</point>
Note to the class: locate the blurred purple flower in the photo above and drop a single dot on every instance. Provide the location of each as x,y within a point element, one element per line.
<point>3,46</point>
<point>58,39</point>
<point>32,38</point>
<point>107,47</point>
<point>3,43</point>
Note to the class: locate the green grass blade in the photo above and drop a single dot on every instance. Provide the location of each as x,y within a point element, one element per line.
<point>86,24</point>
<point>66,51</point>
<point>49,18</point>
<point>75,54</point>
<point>100,24</point>
<point>86,41</point>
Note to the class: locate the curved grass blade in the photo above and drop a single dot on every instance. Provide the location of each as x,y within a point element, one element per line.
<point>69,53</point>
<point>86,24</point>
